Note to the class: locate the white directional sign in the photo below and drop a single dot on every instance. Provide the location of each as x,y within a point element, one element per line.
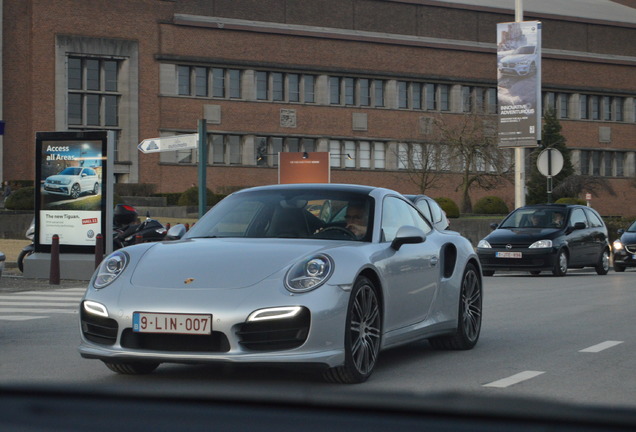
<point>169,143</point>
<point>550,162</point>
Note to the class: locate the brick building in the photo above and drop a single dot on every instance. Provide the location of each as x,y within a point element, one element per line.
<point>362,79</point>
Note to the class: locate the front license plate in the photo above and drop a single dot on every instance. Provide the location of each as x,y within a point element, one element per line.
<point>172,323</point>
<point>508,255</point>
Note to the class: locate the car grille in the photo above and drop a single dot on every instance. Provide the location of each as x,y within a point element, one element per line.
<point>631,248</point>
<point>215,342</point>
<point>512,262</point>
<point>279,334</point>
<point>98,329</point>
<point>502,246</point>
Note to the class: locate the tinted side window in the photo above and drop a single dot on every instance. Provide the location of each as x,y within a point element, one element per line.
<point>577,215</point>
<point>423,206</point>
<point>595,221</point>
<point>437,212</point>
<point>397,213</point>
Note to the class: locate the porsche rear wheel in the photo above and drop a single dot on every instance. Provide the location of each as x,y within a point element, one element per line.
<point>362,335</point>
<point>469,321</point>
<point>135,368</point>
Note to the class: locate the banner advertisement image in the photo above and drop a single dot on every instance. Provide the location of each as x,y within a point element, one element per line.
<point>69,199</point>
<point>306,167</point>
<point>519,83</point>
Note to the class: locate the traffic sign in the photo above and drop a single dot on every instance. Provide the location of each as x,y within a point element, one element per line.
<point>169,143</point>
<point>550,162</point>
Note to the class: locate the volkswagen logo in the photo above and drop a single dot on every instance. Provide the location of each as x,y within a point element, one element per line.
<point>508,246</point>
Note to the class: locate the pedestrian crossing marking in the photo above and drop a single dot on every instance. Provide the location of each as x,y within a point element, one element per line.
<point>31,305</point>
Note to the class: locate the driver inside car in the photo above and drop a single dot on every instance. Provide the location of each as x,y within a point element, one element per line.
<point>357,219</point>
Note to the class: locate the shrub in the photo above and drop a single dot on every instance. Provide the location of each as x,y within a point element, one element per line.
<point>172,199</point>
<point>135,189</point>
<point>21,199</point>
<point>491,205</point>
<point>566,200</point>
<point>191,197</point>
<point>449,206</point>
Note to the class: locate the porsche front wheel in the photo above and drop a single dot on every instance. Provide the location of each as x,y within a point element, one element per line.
<point>362,335</point>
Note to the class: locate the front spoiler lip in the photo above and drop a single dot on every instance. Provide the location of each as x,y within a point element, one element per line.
<point>330,358</point>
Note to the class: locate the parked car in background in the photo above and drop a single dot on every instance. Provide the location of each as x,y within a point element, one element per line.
<point>431,210</point>
<point>72,182</point>
<point>552,237</point>
<point>625,249</point>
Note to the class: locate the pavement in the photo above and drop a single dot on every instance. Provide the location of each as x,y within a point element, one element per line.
<point>13,281</point>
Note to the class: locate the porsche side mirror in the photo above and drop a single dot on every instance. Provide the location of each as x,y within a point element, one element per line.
<point>176,232</point>
<point>408,235</point>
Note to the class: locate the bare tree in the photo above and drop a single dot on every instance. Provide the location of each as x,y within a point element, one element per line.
<point>470,144</point>
<point>423,163</point>
<point>574,185</point>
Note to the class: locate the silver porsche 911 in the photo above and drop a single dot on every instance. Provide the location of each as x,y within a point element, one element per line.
<point>319,274</point>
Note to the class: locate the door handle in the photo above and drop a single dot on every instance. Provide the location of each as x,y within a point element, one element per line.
<point>434,260</point>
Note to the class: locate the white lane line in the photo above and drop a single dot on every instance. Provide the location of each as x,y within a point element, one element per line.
<point>602,346</point>
<point>37,311</point>
<point>514,379</point>
<point>59,303</point>
<point>20,317</point>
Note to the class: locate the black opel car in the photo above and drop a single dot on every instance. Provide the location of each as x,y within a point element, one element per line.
<point>546,237</point>
<point>625,249</point>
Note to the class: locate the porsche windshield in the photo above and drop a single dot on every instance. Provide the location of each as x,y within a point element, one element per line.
<point>289,214</point>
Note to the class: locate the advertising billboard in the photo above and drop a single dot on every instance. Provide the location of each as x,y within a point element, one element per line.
<point>519,83</point>
<point>70,198</point>
<point>305,167</point>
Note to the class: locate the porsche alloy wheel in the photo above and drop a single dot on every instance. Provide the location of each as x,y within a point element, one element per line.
<point>469,321</point>
<point>132,368</point>
<point>362,335</point>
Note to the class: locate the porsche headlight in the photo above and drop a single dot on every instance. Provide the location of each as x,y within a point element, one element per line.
<point>483,244</point>
<point>541,244</point>
<point>618,245</point>
<point>111,268</point>
<point>309,273</point>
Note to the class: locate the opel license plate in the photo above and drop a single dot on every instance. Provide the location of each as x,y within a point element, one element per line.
<point>508,254</point>
<point>144,322</point>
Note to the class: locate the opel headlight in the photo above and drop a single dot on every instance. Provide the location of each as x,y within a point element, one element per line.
<point>111,268</point>
<point>309,273</point>
<point>541,244</point>
<point>483,244</point>
<point>618,245</point>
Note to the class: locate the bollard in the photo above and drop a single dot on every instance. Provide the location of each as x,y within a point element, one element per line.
<point>54,275</point>
<point>99,250</point>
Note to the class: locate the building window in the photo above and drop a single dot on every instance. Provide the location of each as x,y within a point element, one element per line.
<point>585,162</point>
<point>235,83</point>
<point>595,108</point>
<point>467,103</point>
<point>310,88</point>
<point>416,95</point>
<point>218,82</point>
<point>200,81</point>
<point>402,94</point>
<point>492,101</point>
<point>378,93</point>
<point>583,107</point>
<point>619,164</point>
<point>607,108</point>
<point>183,74</point>
<point>365,92</point>
<point>261,85</point>
<point>93,100</point>
<point>563,104</point>
<point>350,91</point>
<point>334,90</point>
<point>293,86</point>
<point>444,97</point>
<point>278,87</point>
<point>618,108</point>
<point>378,155</point>
<point>596,163</point>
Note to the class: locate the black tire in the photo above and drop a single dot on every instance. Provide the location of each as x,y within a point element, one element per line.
<point>470,313</point>
<point>561,264</point>
<point>363,334</point>
<point>488,272</point>
<point>75,191</point>
<point>21,257</point>
<point>603,266</point>
<point>619,268</point>
<point>96,189</point>
<point>134,368</point>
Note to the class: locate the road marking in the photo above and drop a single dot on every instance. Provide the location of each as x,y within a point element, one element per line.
<point>30,305</point>
<point>514,379</point>
<point>602,346</point>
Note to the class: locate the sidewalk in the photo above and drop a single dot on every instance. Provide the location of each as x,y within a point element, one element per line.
<point>13,281</point>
